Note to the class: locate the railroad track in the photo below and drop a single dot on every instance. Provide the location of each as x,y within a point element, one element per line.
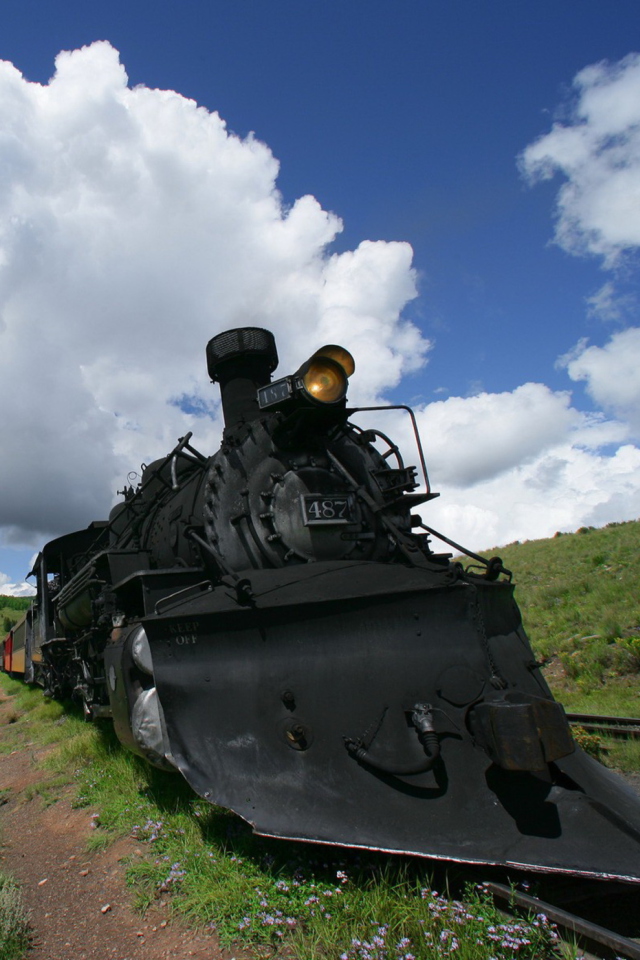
<point>599,941</point>
<point>625,728</point>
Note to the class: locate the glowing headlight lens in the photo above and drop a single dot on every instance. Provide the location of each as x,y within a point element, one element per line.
<point>324,380</point>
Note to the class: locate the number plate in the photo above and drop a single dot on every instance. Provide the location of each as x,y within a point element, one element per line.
<point>323,508</point>
<point>274,393</point>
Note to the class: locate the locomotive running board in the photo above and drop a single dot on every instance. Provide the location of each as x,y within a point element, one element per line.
<point>262,686</point>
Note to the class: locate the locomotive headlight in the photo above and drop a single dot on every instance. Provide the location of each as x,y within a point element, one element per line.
<point>321,380</point>
<point>324,376</point>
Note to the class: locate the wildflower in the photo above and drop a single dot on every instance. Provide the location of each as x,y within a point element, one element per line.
<point>175,874</point>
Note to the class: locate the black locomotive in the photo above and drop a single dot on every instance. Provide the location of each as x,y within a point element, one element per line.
<point>272,622</point>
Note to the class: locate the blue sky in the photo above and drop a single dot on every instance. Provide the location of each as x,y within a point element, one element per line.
<point>406,121</point>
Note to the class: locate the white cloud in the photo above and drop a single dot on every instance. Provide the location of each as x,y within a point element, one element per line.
<point>609,305</point>
<point>612,373</point>
<point>474,439</point>
<point>520,465</point>
<point>8,589</point>
<point>133,227</point>
<point>598,152</point>
<point>563,489</point>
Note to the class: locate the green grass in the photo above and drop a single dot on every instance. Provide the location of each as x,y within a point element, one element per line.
<point>270,894</point>
<point>14,917</point>
<point>580,600</point>
<point>14,921</point>
<point>609,698</point>
<point>579,585</point>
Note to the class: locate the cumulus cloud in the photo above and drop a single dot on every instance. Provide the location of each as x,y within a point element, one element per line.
<point>9,589</point>
<point>598,152</point>
<point>612,373</point>
<point>133,227</point>
<point>520,465</point>
<point>562,489</point>
<point>476,438</point>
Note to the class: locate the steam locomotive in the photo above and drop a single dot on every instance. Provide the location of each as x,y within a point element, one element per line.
<point>274,623</point>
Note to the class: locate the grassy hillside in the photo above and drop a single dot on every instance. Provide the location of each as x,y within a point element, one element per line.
<point>11,609</point>
<point>579,583</point>
<point>580,599</point>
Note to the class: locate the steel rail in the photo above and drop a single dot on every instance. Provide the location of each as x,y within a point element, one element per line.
<point>622,727</point>
<point>586,933</point>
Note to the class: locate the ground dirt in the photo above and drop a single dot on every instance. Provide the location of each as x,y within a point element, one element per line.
<point>79,902</point>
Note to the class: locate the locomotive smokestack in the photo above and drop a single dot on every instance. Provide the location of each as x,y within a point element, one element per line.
<point>240,361</point>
